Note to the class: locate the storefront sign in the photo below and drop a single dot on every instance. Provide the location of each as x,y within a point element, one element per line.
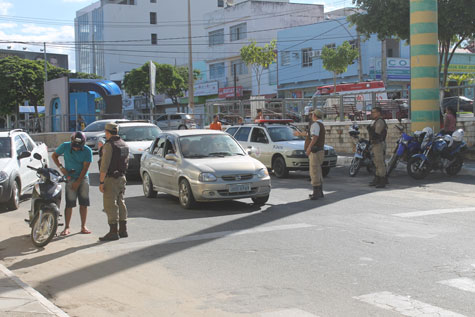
<point>398,69</point>
<point>228,92</point>
<point>206,89</point>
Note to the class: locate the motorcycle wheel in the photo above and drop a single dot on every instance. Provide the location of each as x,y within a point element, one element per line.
<point>455,167</point>
<point>355,166</point>
<point>392,164</point>
<point>44,229</point>
<point>415,171</point>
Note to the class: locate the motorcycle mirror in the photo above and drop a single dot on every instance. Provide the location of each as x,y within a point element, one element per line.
<point>37,156</point>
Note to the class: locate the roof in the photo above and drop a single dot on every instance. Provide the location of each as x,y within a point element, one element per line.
<point>191,132</point>
<point>109,88</point>
<point>136,123</point>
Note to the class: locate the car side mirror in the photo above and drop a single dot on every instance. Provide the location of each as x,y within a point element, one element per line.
<point>171,157</point>
<point>37,156</point>
<point>249,150</point>
<point>24,155</point>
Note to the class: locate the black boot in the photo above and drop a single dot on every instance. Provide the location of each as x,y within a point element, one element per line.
<point>123,229</point>
<point>315,194</point>
<point>112,235</point>
<point>381,182</point>
<point>386,180</point>
<point>375,181</point>
<point>320,192</point>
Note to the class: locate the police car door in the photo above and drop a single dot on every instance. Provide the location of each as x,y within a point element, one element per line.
<point>260,145</point>
<point>169,169</point>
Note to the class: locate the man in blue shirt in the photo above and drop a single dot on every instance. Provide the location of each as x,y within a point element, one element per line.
<point>77,159</point>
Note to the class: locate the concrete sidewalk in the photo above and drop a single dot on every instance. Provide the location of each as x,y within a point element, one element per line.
<point>467,169</point>
<point>19,299</point>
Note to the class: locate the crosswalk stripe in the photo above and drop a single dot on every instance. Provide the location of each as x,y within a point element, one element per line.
<point>404,305</point>
<point>294,312</point>
<point>432,212</point>
<point>463,283</point>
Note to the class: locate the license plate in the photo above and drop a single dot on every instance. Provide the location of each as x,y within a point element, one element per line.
<point>239,188</point>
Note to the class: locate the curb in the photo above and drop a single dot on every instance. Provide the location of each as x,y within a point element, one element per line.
<point>346,161</point>
<point>34,293</point>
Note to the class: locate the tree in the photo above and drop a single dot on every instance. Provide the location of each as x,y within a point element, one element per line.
<point>337,60</point>
<point>259,58</point>
<point>390,18</point>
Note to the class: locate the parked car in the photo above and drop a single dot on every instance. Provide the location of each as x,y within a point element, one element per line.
<point>95,130</point>
<point>466,104</point>
<point>16,153</point>
<point>273,143</point>
<point>176,121</point>
<point>202,165</point>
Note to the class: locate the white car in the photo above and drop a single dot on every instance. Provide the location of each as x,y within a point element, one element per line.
<point>95,131</point>
<point>176,121</point>
<point>273,143</point>
<point>16,153</point>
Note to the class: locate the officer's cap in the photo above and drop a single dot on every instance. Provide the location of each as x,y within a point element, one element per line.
<point>318,113</point>
<point>112,127</point>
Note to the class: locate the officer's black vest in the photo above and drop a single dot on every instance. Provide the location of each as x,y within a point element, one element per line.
<point>120,157</point>
<point>378,138</point>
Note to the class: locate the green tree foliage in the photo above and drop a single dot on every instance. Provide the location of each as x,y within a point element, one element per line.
<point>259,58</point>
<point>337,60</point>
<point>170,80</point>
<point>391,18</point>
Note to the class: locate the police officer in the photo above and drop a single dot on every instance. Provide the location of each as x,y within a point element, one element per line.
<point>316,154</point>
<point>114,159</point>
<point>377,135</point>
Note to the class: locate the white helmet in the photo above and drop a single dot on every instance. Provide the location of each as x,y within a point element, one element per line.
<point>428,131</point>
<point>457,136</point>
<point>449,140</point>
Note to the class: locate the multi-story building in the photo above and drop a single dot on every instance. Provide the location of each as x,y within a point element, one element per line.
<point>58,60</point>
<point>234,26</point>
<point>115,36</point>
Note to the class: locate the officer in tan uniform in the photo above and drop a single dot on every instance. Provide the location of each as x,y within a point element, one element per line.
<point>114,159</point>
<point>377,135</point>
<point>316,153</point>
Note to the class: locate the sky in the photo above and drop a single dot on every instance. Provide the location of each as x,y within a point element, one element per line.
<point>53,21</point>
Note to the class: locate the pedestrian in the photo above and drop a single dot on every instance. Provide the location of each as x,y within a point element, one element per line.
<point>259,115</point>
<point>81,122</point>
<point>240,121</point>
<point>315,152</point>
<point>114,159</point>
<point>215,125</point>
<point>377,136</point>
<point>450,121</point>
<point>77,159</point>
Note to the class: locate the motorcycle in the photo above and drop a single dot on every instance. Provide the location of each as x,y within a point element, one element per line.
<point>362,155</point>
<point>45,203</point>
<point>407,146</point>
<point>442,152</point>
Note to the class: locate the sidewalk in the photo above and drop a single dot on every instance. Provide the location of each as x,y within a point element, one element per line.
<point>19,299</point>
<point>467,169</point>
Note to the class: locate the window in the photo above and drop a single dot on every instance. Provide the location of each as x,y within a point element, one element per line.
<point>354,44</point>
<point>306,57</point>
<point>170,147</point>
<point>273,74</point>
<point>29,144</point>
<point>153,17</point>
<point>238,32</point>
<point>153,1</point>
<point>159,147</point>
<point>216,37</point>
<point>232,130</point>
<point>241,68</point>
<point>258,135</point>
<point>175,117</point>
<point>162,118</point>
<point>220,3</point>
<point>154,39</point>
<point>332,46</point>
<point>216,71</point>
<point>284,58</point>
<point>19,145</point>
<point>243,134</point>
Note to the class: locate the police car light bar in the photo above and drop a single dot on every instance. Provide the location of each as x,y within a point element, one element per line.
<point>262,121</point>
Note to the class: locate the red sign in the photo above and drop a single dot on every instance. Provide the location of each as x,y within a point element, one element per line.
<point>228,92</point>
<point>363,87</point>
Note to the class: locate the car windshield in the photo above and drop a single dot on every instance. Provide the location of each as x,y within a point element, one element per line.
<point>280,134</point>
<point>139,133</point>
<point>95,127</point>
<point>210,145</point>
<point>5,148</point>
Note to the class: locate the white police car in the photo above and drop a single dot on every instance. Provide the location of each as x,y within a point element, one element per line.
<point>273,143</point>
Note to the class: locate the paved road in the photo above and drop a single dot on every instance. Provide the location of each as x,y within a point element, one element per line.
<point>407,250</point>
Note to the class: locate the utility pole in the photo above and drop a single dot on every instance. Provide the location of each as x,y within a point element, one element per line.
<point>360,65</point>
<point>93,50</point>
<point>46,63</point>
<point>384,63</point>
<point>191,94</point>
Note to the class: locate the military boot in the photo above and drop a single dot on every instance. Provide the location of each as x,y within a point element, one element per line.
<point>320,192</point>
<point>314,195</point>
<point>374,182</point>
<point>123,229</point>
<point>381,182</point>
<point>112,235</point>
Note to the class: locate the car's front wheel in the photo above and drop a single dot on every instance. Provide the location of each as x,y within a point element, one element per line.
<point>279,167</point>
<point>148,186</point>
<point>14,202</point>
<point>185,195</point>
<point>260,201</point>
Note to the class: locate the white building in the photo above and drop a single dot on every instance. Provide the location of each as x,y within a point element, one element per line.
<point>245,21</point>
<point>115,36</point>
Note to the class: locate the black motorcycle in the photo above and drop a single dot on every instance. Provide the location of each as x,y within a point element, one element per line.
<point>362,155</point>
<point>45,203</point>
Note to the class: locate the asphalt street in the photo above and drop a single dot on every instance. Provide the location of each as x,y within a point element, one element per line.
<point>406,250</point>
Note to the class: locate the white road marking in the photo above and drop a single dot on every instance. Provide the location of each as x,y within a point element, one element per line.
<point>463,283</point>
<point>34,293</point>
<point>405,305</point>
<point>294,312</point>
<point>204,236</point>
<point>422,213</point>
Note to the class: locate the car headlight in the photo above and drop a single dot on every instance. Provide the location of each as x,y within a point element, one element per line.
<point>3,176</point>
<point>331,151</point>
<point>298,153</point>
<point>207,177</point>
<point>92,138</point>
<point>263,172</point>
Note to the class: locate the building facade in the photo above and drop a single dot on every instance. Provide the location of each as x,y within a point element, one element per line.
<point>58,60</point>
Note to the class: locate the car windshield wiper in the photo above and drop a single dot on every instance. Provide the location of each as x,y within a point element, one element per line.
<point>242,154</point>
<point>219,154</point>
<point>195,156</point>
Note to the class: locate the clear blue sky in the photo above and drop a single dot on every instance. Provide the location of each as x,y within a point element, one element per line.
<point>52,21</point>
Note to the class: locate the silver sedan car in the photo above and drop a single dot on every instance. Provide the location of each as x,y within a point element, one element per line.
<point>202,165</point>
